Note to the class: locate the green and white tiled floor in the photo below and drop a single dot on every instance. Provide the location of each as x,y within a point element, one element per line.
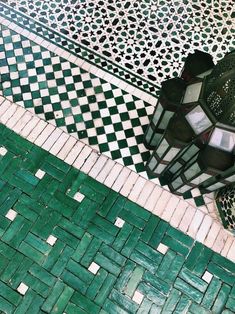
<point>82,229</point>
<point>71,245</point>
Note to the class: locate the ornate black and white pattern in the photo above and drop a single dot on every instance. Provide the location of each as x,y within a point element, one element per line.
<point>148,37</point>
<point>225,201</point>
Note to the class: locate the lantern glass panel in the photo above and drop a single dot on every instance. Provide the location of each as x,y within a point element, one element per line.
<point>166,117</point>
<point>155,140</point>
<point>160,168</point>
<point>175,167</point>
<point>222,139</point>
<point>157,113</point>
<point>171,154</point>
<point>215,186</point>
<point>202,75</point>
<point>152,164</point>
<point>192,171</point>
<point>198,120</point>
<point>203,177</point>
<point>192,93</point>
<point>149,134</point>
<point>184,189</point>
<point>190,152</point>
<point>163,146</point>
<point>176,183</point>
<point>231,178</point>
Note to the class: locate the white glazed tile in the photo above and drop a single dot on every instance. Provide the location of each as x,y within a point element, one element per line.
<point>227,245</point>
<point>204,228</point>
<point>128,185</point>
<point>29,126</point>
<point>187,219</point>
<point>52,139</point>
<point>11,214</point>
<point>231,252</point>
<point>153,198</point>
<point>3,151</point>
<point>195,223</point>
<point>36,131</point>
<point>145,193</point>
<point>212,234</point>
<point>162,248</point>
<point>90,161</point>
<point>59,144</point>
<point>138,297</point>
<point>44,135</point>
<point>51,240</point>
<point>220,241</point>
<point>170,208</point>
<point>207,276</point>
<point>105,171</point>
<point>74,152</point>
<point>63,153</point>
<point>178,213</point>
<point>15,118</point>
<point>119,222</point>
<point>121,179</point>
<point>40,174</point>
<point>79,197</point>
<point>162,203</point>
<point>86,151</point>
<point>22,122</point>
<point>95,170</point>
<point>137,188</point>
<point>22,288</point>
<point>93,268</point>
<point>113,175</point>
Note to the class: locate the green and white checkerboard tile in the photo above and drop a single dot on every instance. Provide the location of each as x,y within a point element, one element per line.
<point>84,105</point>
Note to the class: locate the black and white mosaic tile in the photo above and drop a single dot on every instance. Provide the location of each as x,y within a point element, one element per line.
<point>148,37</point>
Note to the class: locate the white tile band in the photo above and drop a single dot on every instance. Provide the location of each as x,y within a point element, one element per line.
<point>178,212</point>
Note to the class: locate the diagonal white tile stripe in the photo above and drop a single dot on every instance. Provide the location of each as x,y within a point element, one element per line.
<point>178,212</point>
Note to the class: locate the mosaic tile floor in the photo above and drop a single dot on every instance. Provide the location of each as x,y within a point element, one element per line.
<point>86,105</point>
<point>71,245</point>
<point>149,37</point>
<point>101,250</point>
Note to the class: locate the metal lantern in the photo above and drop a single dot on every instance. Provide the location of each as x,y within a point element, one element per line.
<point>168,103</point>
<point>208,163</point>
<point>188,123</point>
<point>195,64</point>
<point>197,147</point>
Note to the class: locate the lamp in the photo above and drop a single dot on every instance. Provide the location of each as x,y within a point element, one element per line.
<point>197,147</point>
<point>168,103</point>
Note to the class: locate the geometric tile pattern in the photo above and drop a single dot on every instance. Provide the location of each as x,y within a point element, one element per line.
<point>225,204</point>
<point>69,97</point>
<point>77,49</point>
<point>151,38</point>
<point>94,266</point>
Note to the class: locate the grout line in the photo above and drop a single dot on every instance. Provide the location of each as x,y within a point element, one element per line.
<point>175,210</point>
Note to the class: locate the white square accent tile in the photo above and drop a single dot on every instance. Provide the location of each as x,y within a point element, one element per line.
<point>22,289</point>
<point>207,276</point>
<point>162,248</point>
<point>195,192</point>
<point>51,240</point>
<point>79,196</point>
<point>3,151</point>
<point>40,174</point>
<point>11,214</point>
<point>93,268</point>
<point>138,297</point>
<point>119,222</point>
